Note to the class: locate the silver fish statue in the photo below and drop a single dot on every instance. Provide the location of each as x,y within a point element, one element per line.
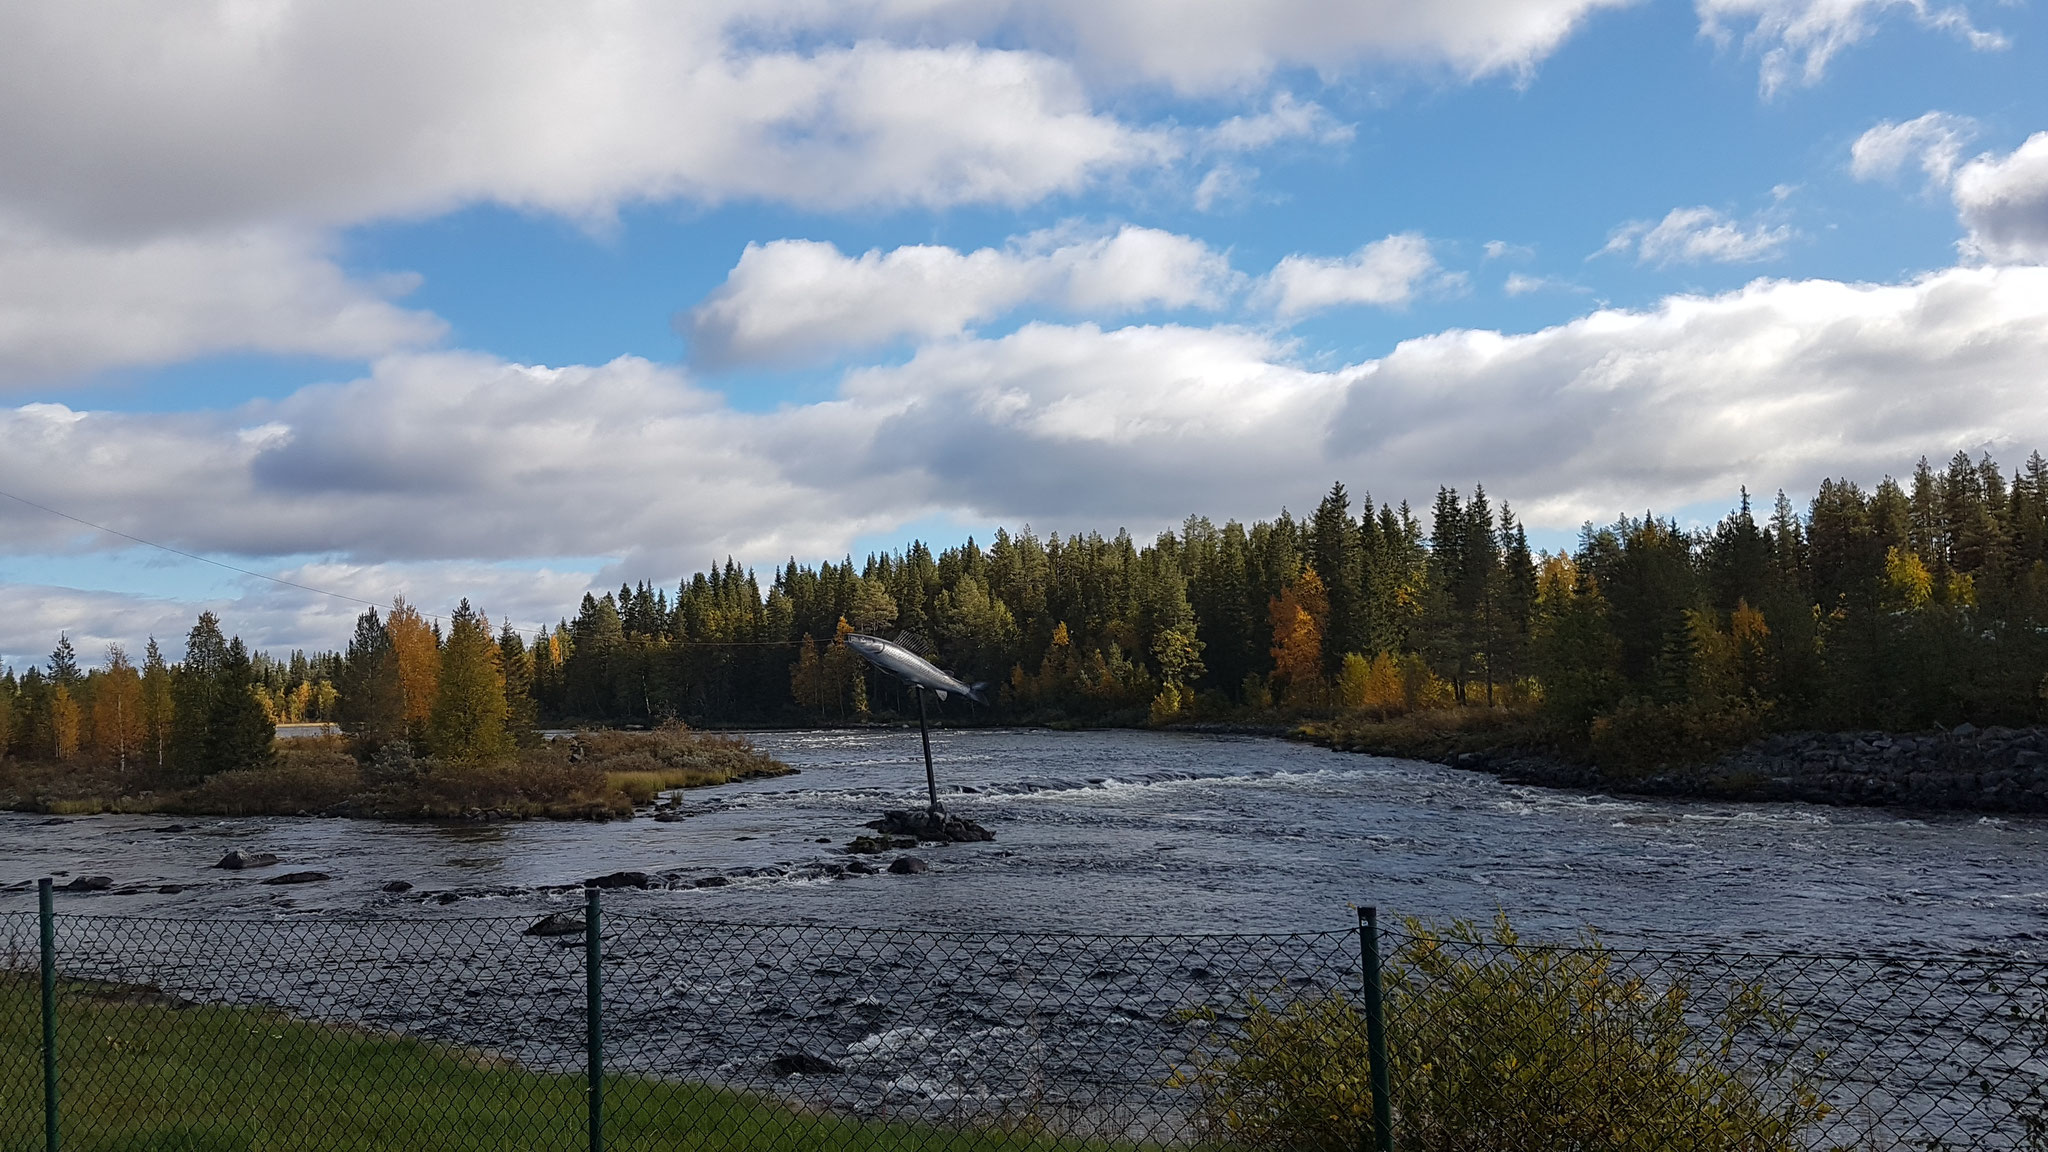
<point>911,668</point>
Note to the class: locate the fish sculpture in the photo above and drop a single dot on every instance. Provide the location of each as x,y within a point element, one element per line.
<point>912,669</point>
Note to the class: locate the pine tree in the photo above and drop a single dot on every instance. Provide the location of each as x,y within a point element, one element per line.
<point>195,688</point>
<point>240,734</point>
<point>1335,553</point>
<point>467,725</point>
<point>372,701</point>
<point>521,712</point>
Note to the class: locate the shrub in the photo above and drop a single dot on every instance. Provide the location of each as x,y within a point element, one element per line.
<point>1499,1044</point>
<point>301,780</point>
<point>1640,737</point>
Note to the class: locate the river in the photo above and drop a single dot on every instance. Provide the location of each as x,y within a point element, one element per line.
<point>1130,831</point>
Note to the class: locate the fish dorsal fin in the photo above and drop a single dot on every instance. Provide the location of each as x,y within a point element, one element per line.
<point>915,641</point>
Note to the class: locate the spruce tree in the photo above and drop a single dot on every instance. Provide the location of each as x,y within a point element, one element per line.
<point>521,714</point>
<point>240,735</point>
<point>195,689</point>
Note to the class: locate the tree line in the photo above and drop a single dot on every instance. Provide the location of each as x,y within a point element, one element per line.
<point>1900,606</point>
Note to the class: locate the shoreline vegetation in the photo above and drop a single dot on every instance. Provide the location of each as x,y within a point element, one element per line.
<point>593,775</point>
<point>1649,657</point>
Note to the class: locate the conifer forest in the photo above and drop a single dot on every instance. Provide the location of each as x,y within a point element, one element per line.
<point>1905,605</point>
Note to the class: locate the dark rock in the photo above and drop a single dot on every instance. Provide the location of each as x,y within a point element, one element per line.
<point>860,868</point>
<point>89,884</point>
<point>621,880</point>
<point>824,840</point>
<point>236,861</point>
<point>908,866</point>
<point>172,828</point>
<point>51,822</point>
<point>803,1064</point>
<point>875,845</point>
<point>396,886</point>
<point>710,882</point>
<point>1963,730</point>
<point>298,878</point>
<point>556,924</point>
<point>169,889</point>
<point>944,829</point>
<point>447,897</point>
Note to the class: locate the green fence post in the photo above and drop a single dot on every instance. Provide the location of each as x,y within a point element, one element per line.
<point>593,995</point>
<point>1376,1031</point>
<point>46,905</point>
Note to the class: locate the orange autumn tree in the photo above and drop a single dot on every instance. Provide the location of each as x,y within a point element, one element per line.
<point>1298,614</point>
<point>418,650</point>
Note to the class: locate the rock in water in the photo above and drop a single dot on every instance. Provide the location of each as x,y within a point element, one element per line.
<point>908,866</point>
<point>925,826</point>
<point>620,880</point>
<point>556,924</point>
<point>298,878</point>
<point>803,1064</point>
<point>239,860</point>
<point>395,886</point>
<point>90,884</point>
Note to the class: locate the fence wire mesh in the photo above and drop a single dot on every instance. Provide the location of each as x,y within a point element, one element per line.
<point>460,1033</point>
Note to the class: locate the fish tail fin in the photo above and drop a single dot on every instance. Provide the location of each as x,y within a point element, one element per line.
<point>979,693</point>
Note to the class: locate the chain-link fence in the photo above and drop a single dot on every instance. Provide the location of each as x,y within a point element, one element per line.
<point>459,1033</point>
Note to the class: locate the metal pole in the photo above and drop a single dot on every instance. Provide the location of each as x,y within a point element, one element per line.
<point>931,779</point>
<point>46,901</point>
<point>593,990</point>
<point>1376,1032</point>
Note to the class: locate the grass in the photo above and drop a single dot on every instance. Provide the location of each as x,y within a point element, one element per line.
<point>141,1072</point>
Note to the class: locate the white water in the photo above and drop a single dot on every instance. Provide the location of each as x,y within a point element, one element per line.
<point>1134,831</point>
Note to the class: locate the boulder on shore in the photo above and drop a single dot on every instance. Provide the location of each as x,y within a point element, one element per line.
<point>803,1064</point>
<point>942,828</point>
<point>238,860</point>
<point>556,924</point>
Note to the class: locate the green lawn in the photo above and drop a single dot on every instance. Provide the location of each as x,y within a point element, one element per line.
<point>140,1073</point>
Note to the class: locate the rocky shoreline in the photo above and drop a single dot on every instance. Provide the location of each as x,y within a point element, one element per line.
<point>1963,769</point>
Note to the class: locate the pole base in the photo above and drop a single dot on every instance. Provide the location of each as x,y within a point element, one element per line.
<point>931,826</point>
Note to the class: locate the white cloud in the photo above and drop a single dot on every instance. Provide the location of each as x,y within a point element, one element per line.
<point>1797,39</point>
<point>789,300</point>
<point>2003,201</point>
<point>1933,141</point>
<point>1782,382</point>
<point>144,117</point>
<point>1387,273</point>
<point>1697,235</point>
<point>461,460</point>
<point>1219,45</point>
<point>1286,119</point>
<point>1521,284</point>
<point>68,307</point>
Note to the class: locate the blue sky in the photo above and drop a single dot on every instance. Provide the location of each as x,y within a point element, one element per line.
<point>515,301</point>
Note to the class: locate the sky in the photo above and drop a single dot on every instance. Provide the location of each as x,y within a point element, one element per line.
<point>508,301</point>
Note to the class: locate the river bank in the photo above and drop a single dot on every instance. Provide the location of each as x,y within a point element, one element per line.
<point>601,775</point>
<point>1966,769</point>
